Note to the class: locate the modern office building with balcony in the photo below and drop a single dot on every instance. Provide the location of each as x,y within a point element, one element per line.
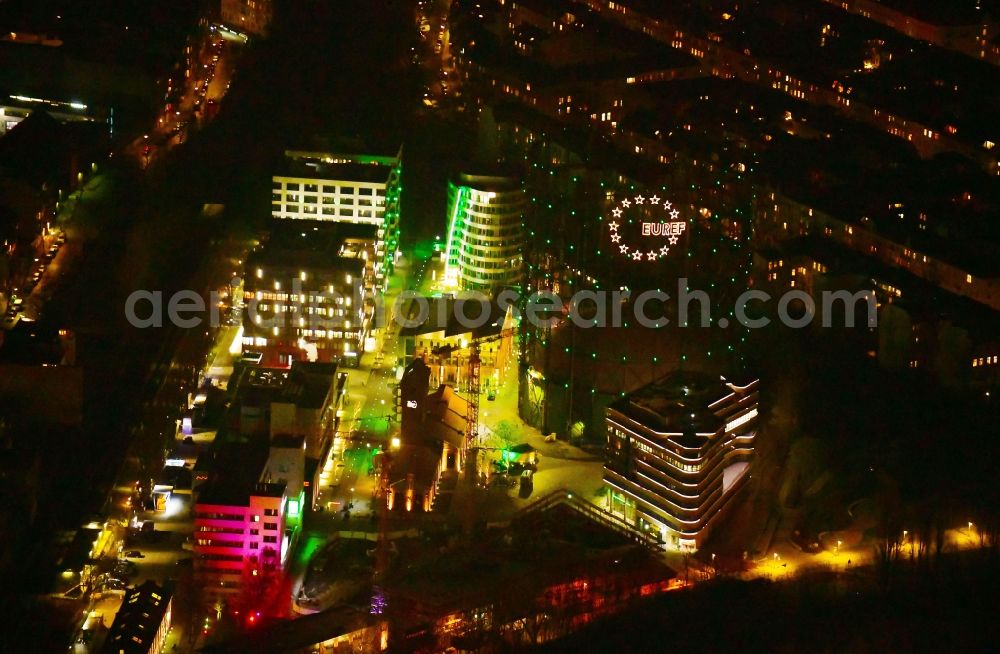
<point>485,232</point>
<point>678,450</point>
<point>344,188</point>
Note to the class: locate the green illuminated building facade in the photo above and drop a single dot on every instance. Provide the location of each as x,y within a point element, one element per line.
<point>345,188</point>
<point>485,244</point>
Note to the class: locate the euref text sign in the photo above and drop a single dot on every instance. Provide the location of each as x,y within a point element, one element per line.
<point>644,228</point>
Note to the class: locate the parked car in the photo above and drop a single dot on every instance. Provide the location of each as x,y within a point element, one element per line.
<point>134,554</point>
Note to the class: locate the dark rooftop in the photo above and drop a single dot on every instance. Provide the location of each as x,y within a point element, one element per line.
<point>139,618</point>
<point>287,441</point>
<point>678,402</point>
<point>494,179</point>
<point>268,490</point>
<point>952,12</point>
<point>234,475</point>
<point>447,314</point>
<point>41,150</point>
<point>311,245</point>
<point>308,383</point>
<point>31,343</point>
<point>340,167</point>
<point>298,634</point>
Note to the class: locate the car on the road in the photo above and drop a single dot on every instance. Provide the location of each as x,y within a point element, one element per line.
<point>185,561</point>
<point>134,554</point>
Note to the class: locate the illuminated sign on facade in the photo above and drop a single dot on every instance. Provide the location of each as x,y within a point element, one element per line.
<point>659,227</point>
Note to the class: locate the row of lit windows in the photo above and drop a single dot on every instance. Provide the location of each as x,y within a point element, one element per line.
<point>292,308</point>
<point>313,199</point>
<point>479,249</point>
<point>496,234</point>
<point>659,453</point>
<point>984,361</point>
<point>315,298</point>
<point>235,517</point>
<point>330,188</point>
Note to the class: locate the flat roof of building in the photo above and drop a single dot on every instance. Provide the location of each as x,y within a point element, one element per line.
<point>953,12</point>
<point>295,635</point>
<point>919,297</point>
<point>138,620</point>
<point>312,245</point>
<point>234,474</point>
<point>338,166</point>
<point>680,402</point>
<point>448,314</point>
<point>287,441</point>
<point>447,414</point>
<point>308,383</point>
<point>268,489</point>
<point>490,178</point>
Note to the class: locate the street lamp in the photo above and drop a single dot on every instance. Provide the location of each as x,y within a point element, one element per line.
<point>838,546</point>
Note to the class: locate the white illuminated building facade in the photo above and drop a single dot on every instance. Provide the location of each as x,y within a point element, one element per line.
<point>343,188</point>
<point>679,449</point>
<point>485,232</point>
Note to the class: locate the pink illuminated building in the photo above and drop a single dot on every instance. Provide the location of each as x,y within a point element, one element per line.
<point>240,539</point>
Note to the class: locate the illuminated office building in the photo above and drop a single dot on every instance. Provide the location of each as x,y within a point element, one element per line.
<point>485,232</point>
<point>344,188</point>
<point>678,451</point>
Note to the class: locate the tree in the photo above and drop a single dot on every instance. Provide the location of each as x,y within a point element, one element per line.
<point>506,434</point>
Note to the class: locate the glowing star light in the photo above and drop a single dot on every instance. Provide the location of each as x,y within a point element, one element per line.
<point>669,228</point>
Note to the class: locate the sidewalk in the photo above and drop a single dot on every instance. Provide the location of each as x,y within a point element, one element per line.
<point>504,408</point>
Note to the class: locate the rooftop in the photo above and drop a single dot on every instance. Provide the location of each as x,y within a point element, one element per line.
<point>234,475</point>
<point>309,383</point>
<point>953,12</point>
<point>446,416</point>
<point>311,245</point>
<point>541,552</point>
<point>139,618</point>
<point>287,441</point>
<point>268,490</point>
<point>679,403</point>
<point>490,179</point>
<point>338,166</point>
<point>448,314</point>
<point>295,635</point>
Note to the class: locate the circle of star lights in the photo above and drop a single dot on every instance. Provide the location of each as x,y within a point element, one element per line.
<point>640,254</point>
